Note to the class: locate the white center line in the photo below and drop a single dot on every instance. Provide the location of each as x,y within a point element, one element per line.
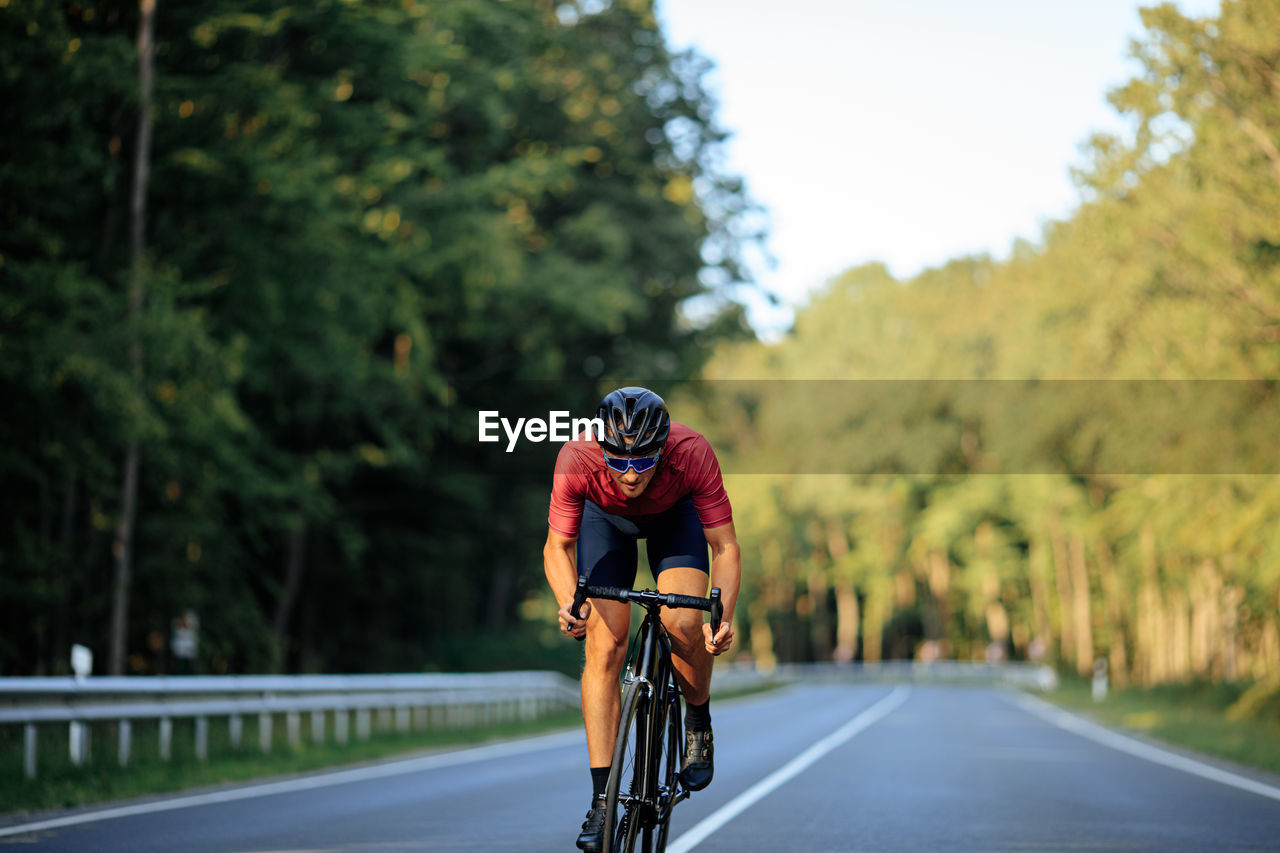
<point>795,767</point>
<point>1106,737</point>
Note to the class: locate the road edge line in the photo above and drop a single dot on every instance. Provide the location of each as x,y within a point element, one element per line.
<point>326,779</point>
<point>1100,734</point>
<point>704,828</point>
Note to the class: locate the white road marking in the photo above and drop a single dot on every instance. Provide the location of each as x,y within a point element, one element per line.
<point>797,765</point>
<point>307,783</point>
<point>1106,737</point>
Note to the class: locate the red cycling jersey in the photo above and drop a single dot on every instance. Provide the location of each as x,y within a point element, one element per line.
<point>688,468</point>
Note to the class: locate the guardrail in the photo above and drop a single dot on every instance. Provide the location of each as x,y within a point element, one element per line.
<point>1037,676</point>
<point>403,701</point>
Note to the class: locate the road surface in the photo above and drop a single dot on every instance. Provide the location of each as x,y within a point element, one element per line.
<point>809,768</point>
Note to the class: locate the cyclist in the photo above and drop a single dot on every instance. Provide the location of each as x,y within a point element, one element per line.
<point>655,479</point>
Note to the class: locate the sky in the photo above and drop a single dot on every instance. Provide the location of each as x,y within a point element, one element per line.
<point>907,132</point>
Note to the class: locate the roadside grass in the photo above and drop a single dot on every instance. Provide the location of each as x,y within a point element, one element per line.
<point>1238,722</point>
<point>60,784</point>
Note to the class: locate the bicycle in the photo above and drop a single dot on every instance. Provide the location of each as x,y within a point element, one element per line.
<point>649,748</point>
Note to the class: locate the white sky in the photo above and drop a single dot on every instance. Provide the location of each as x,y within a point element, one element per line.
<point>907,131</point>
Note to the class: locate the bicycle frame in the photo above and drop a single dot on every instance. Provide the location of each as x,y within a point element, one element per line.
<point>651,698</point>
<point>651,667</point>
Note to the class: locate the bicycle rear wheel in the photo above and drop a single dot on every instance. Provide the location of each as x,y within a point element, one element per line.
<point>627,773</point>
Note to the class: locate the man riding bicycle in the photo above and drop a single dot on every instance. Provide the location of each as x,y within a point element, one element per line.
<point>655,479</point>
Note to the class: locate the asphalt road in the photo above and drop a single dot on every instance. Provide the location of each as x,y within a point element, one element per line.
<point>812,768</point>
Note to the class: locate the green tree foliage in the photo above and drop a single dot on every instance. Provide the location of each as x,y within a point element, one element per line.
<point>1167,271</point>
<point>360,216</point>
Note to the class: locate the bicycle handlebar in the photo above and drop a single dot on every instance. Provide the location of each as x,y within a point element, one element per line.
<point>649,597</point>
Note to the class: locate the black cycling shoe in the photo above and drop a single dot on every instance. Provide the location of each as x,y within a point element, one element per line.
<point>699,760</point>
<point>592,837</point>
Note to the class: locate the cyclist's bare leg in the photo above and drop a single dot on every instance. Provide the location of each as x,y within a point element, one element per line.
<point>607,629</point>
<point>688,649</point>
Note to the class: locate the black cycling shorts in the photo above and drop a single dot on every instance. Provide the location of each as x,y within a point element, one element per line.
<point>607,543</point>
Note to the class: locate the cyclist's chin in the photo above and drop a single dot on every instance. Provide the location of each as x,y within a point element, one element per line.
<point>634,490</point>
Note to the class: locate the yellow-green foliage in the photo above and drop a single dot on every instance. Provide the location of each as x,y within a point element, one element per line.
<point>1118,516</point>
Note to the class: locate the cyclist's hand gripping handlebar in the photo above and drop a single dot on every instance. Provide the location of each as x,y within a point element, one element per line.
<point>717,612</point>
<point>579,596</point>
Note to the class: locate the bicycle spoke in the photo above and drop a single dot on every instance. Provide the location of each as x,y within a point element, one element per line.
<point>670,766</point>
<point>626,775</point>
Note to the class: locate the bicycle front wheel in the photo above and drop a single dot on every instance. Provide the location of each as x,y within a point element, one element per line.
<point>671,759</point>
<point>627,773</point>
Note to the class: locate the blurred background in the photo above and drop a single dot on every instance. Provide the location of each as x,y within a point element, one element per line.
<point>251,278</point>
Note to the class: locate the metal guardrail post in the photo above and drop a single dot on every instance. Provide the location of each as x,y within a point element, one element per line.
<point>235,731</point>
<point>202,738</point>
<point>293,728</point>
<point>29,744</point>
<point>317,726</point>
<point>265,727</point>
<point>124,741</point>
<point>166,738</point>
<point>363,725</point>
<point>341,722</point>
<point>78,742</point>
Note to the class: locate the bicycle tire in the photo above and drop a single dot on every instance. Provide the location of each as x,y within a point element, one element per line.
<point>628,768</point>
<point>671,760</point>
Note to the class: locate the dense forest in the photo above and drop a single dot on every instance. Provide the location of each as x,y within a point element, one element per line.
<point>1066,455</point>
<point>253,254</point>
<point>255,289</point>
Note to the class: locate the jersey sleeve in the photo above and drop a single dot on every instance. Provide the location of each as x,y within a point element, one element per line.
<point>709,497</point>
<point>568,492</point>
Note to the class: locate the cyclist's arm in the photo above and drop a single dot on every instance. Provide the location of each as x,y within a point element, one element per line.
<point>559,561</point>
<point>726,573</point>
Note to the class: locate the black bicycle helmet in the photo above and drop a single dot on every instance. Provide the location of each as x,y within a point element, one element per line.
<point>636,422</point>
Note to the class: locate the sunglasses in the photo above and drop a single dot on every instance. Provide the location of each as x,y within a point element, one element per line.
<point>640,463</point>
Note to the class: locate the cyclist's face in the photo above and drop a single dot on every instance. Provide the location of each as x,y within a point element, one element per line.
<point>631,484</point>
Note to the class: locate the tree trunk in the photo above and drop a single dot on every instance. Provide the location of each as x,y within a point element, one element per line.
<point>1267,661</point>
<point>501,584</point>
<point>1146,648</point>
<point>1062,574</point>
<point>820,622</point>
<point>295,563</point>
<point>122,548</point>
<point>1040,598</point>
<point>846,623</point>
<point>39,624</point>
<point>876,613</point>
<point>1178,608</point>
<point>761,636</point>
<point>1206,617</point>
<point>1113,606</point>
<point>846,595</point>
<point>1232,598</point>
<point>940,589</point>
<point>62,579</point>
<point>1081,608</point>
